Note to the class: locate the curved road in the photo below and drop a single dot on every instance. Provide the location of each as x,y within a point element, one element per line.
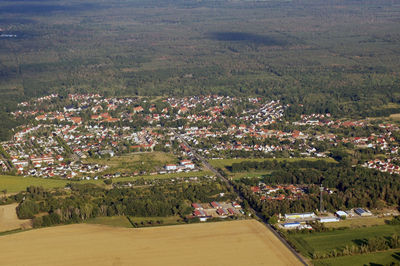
<point>229,184</point>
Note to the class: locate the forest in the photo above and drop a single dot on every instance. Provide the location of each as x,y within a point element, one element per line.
<point>83,201</point>
<point>319,56</point>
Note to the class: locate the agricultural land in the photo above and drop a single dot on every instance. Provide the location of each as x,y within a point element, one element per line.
<point>236,243</point>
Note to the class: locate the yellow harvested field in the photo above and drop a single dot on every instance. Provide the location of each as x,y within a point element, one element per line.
<point>245,242</point>
<point>395,117</point>
<point>9,220</point>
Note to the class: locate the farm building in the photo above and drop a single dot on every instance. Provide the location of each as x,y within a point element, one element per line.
<point>187,164</point>
<point>197,206</point>
<point>291,225</point>
<point>199,213</point>
<point>216,205</point>
<point>328,219</point>
<point>170,167</point>
<point>341,214</point>
<point>231,211</point>
<point>236,205</point>
<point>222,211</point>
<point>362,212</point>
<point>306,215</point>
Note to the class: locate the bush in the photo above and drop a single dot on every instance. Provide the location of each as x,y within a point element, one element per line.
<point>27,209</point>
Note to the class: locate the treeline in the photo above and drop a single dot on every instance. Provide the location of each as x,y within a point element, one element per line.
<point>351,186</point>
<point>275,165</point>
<point>368,245</point>
<point>84,201</point>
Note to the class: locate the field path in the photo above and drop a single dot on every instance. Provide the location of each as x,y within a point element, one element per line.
<point>9,219</point>
<point>245,242</point>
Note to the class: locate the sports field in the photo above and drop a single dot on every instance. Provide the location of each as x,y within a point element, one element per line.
<point>245,242</point>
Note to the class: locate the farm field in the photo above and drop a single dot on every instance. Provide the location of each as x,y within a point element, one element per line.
<point>226,243</point>
<point>338,239</point>
<point>376,258</point>
<point>9,220</point>
<point>117,221</point>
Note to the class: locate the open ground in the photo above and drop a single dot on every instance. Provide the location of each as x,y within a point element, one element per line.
<point>9,220</point>
<point>245,242</point>
<point>338,239</point>
<point>15,184</point>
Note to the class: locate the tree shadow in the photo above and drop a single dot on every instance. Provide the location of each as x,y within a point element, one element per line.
<point>360,242</point>
<point>396,256</point>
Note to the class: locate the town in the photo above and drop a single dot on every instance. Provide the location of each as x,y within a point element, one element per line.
<point>64,132</point>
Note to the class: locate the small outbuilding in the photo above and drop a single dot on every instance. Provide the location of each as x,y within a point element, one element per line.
<point>362,212</point>
<point>328,219</point>
<point>291,225</point>
<point>341,214</point>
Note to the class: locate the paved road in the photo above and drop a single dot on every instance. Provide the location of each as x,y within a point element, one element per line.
<point>229,184</point>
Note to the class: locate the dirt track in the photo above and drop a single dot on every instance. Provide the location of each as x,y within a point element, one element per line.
<point>9,219</point>
<point>224,243</point>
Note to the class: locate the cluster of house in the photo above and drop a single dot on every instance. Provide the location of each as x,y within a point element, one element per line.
<point>72,112</point>
<point>265,114</point>
<point>66,170</point>
<point>383,166</point>
<point>216,209</point>
<point>239,134</point>
<point>208,103</point>
<point>326,120</point>
<point>278,192</point>
<point>39,100</point>
<point>34,149</point>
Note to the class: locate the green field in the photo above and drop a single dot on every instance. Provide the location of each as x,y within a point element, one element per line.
<point>14,184</point>
<point>376,258</point>
<point>338,239</point>
<point>136,162</point>
<point>223,163</point>
<point>118,221</point>
<point>164,176</point>
<point>358,222</point>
